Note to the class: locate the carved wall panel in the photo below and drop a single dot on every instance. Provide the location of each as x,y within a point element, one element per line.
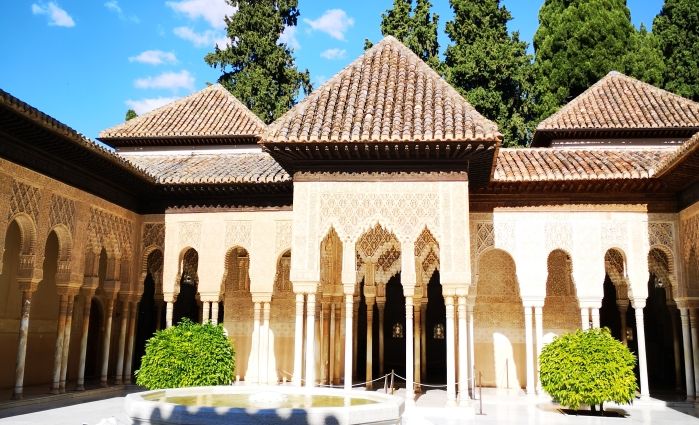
<point>561,309</point>
<point>24,199</point>
<point>190,234</point>
<point>62,212</point>
<point>153,235</point>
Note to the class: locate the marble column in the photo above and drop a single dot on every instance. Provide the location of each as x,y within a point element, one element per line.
<point>381,306</point>
<point>310,340</point>
<point>369,341</point>
<point>298,342</point>
<point>206,315</point>
<point>539,328</point>
<point>471,350</point>
<point>584,318</point>
<point>355,318</point>
<point>333,345</point>
<point>158,315</point>
<point>132,338</point>
<point>349,303</point>
<point>641,338</point>
<point>325,343</point>
<point>253,372</point>
<point>106,340</point>
<point>214,312</point>
<point>264,346</point>
<point>83,339</point>
<point>58,352</point>
<point>529,348</point>
<point>422,355</point>
<point>66,342</point>
<point>451,351</point>
<point>22,343</point>
<point>122,341</point>
<point>169,307</point>
<point>595,317</point>
<point>687,348</point>
<point>672,308</point>
<point>623,305</point>
<point>339,340</point>
<point>417,333</point>
<point>463,351</point>
<point>695,345</point>
<point>409,355</point>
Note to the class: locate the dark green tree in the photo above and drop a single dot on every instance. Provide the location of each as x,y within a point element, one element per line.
<point>577,43</point>
<point>491,67</point>
<point>415,27</point>
<point>257,68</point>
<point>677,30</point>
<point>130,114</point>
<point>644,60</point>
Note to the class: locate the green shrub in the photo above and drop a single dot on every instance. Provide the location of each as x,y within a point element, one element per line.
<point>187,355</point>
<point>589,368</point>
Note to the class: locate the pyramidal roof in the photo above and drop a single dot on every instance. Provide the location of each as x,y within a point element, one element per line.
<point>211,113</point>
<point>619,102</point>
<point>386,95</point>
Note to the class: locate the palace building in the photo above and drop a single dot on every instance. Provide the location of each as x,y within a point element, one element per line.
<point>379,225</point>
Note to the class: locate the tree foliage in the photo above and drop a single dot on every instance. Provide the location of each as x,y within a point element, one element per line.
<point>677,30</point>
<point>577,43</point>
<point>644,60</point>
<point>588,368</point>
<point>490,66</point>
<point>187,355</point>
<point>257,68</point>
<point>415,27</point>
<point>130,114</point>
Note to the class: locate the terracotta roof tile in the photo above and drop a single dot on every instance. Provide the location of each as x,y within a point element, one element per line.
<point>551,164</point>
<point>223,168</point>
<point>386,95</point>
<point>621,102</point>
<point>671,161</point>
<point>211,112</point>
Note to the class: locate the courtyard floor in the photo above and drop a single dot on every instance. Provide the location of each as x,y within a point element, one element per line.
<point>498,408</point>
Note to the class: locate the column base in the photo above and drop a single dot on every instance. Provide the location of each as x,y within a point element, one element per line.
<point>117,381</point>
<point>104,384</point>
<point>17,395</point>
<point>80,387</point>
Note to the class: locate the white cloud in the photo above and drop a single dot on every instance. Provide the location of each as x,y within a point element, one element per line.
<point>333,22</point>
<point>333,54</point>
<point>288,37</point>
<point>113,6</point>
<point>142,106</point>
<point>200,39</point>
<point>154,57</point>
<point>57,16</point>
<point>212,11</point>
<point>167,80</point>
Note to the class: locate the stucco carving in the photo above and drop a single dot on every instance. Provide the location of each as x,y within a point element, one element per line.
<point>283,235</point>
<point>62,212</point>
<point>24,199</point>
<point>111,232</point>
<point>661,234</point>
<point>153,235</point>
<point>559,235</point>
<point>190,234</point>
<point>238,233</point>
<point>485,237</point>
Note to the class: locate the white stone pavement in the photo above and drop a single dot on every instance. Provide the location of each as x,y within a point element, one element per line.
<point>499,409</point>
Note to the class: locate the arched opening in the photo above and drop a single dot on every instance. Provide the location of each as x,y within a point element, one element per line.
<point>93,355</point>
<point>149,313</point>
<point>394,327</point>
<point>10,305</point>
<point>561,312</point>
<point>237,301</point>
<point>282,321</point>
<point>435,333</point>
<point>329,304</point>
<point>41,341</point>
<point>187,304</point>
<point>499,323</point>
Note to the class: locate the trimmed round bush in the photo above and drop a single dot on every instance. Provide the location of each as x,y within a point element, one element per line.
<point>588,368</point>
<point>187,355</point>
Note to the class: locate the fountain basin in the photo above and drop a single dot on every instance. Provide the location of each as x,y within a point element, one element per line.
<point>242,404</point>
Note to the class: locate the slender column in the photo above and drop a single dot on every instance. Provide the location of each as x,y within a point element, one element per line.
<point>22,343</point>
<point>409,358</point>
<point>310,340</point>
<point>355,318</point>
<point>687,348</point>
<point>333,345</point>
<point>381,305</point>
<point>585,318</point>
<point>254,368</point>
<point>106,341</point>
<point>422,308</point>
<point>214,312</point>
<point>539,328</point>
<point>158,314</point>
<point>264,344</point>
<point>676,347</point>
<point>83,340</point>
<point>298,342</point>
<point>419,348</point>
<point>641,338</point>
<point>595,317</point>
<point>130,345</point>
<point>463,351</point>
<point>58,353</point>
<point>369,340</point>
<point>349,302</point>
<point>169,307</point>
<point>471,350</point>
<point>66,342</point>
<point>451,345</point>
<point>206,305</point>
<point>695,345</point>
<point>623,305</point>
<point>325,344</point>
<point>529,348</point>
<point>122,342</point>
<point>339,340</point>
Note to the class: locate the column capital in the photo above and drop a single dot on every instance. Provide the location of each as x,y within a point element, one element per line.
<point>211,297</point>
<point>533,301</point>
<point>305,287</point>
<point>409,291</point>
<point>169,297</point>
<point>638,303</point>
<point>28,285</point>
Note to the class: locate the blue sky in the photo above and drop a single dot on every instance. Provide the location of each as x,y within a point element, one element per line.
<point>85,62</point>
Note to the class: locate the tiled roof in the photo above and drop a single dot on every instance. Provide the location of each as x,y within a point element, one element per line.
<point>386,95</point>
<point>211,112</point>
<point>621,102</point>
<point>220,168</point>
<point>688,148</point>
<point>551,164</point>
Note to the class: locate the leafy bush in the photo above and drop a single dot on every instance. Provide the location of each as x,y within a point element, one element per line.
<point>588,367</point>
<point>187,355</point>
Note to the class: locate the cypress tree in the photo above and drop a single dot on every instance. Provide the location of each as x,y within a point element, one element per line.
<point>644,60</point>
<point>256,68</point>
<point>415,27</point>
